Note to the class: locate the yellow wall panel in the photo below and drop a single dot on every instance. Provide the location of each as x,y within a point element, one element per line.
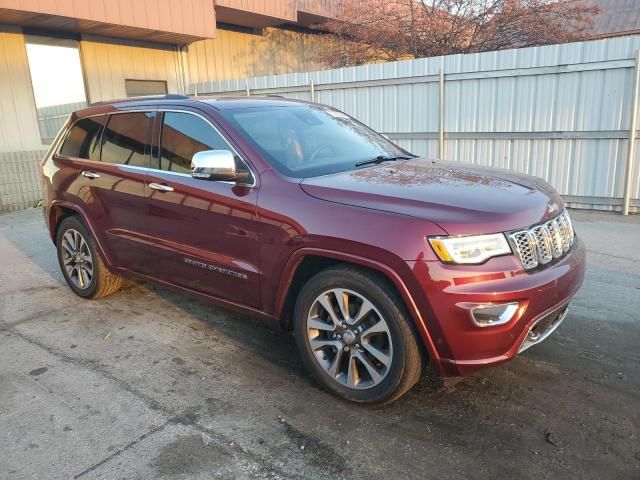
<point>236,54</point>
<point>18,118</point>
<point>109,62</point>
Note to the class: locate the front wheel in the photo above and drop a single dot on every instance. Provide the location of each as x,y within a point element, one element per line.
<point>354,335</point>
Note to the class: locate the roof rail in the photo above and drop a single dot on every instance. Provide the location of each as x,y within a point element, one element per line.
<point>168,96</point>
<point>174,96</point>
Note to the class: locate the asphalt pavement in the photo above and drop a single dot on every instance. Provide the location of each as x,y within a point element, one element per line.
<point>153,384</point>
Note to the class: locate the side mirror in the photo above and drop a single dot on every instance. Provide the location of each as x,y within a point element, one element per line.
<point>214,165</point>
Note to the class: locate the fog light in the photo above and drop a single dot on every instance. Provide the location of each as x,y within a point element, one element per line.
<point>492,315</point>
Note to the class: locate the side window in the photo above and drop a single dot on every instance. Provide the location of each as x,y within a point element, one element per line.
<point>183,135</point>
<point>82,141</point>
<point>126,139</point>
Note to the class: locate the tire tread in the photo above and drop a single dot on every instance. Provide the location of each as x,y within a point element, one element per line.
<point>412,365</point>
<point>107,282</point>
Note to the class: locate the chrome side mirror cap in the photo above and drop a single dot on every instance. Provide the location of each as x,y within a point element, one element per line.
<point>214,165</point>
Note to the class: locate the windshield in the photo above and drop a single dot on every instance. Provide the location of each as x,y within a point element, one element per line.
<point>308,140</point>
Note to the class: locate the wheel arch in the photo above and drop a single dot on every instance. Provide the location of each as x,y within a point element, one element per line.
<point>61,210</point>
<point>306,262</point>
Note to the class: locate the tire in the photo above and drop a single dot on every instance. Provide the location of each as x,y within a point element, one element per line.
<point>101,282</point>
<point>374,379</point>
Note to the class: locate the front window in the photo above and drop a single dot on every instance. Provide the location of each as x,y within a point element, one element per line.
<point>307,141</point>
<point>184,135</point>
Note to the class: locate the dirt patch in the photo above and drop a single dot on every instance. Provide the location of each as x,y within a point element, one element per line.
<point>38,371</point>
<point>191,455</point>
<point>317,453</point>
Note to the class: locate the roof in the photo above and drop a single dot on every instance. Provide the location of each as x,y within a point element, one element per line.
<point>617,17</point>
<point>145,20</point>
<point>172,22</point>
<point>227,103</point>
<point>263,13</point>
<point>219,103</point>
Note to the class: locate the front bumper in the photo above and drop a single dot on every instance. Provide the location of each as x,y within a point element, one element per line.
<point>453,290</point>
<point>542,328</point>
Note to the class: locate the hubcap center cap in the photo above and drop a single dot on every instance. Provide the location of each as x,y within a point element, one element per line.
<point>348,338</point>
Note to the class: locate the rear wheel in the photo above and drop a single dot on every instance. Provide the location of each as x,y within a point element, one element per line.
<point>355,337</point>
<point>81,263</point>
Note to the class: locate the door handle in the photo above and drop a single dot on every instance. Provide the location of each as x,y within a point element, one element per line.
<point>91,175</point>
<point>161,187</point>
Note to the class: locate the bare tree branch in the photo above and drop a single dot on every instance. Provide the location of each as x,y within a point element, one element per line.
<point>382,30</point>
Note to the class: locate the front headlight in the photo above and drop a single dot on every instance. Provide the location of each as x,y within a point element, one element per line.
<point>466,250</point>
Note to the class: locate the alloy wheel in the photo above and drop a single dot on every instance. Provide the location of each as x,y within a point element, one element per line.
<point>77,259</point>
<point>349,338</point>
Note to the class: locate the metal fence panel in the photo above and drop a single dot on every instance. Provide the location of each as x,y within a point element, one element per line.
<point>51,119</point>
<point>561,112</point>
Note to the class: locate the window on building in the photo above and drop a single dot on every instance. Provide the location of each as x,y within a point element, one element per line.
<point>140,88</point>
<point>183,135</point>
<point>126,139</point>
<point>57,79</point>
<point>83,139</point>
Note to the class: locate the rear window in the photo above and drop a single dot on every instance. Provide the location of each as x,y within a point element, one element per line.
<point>126,139</point>
<point>83,138</point>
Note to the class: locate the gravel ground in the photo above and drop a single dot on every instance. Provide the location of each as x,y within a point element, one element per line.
<point>153,384</point>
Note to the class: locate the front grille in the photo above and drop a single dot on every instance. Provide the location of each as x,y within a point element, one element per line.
<point>541,244</point>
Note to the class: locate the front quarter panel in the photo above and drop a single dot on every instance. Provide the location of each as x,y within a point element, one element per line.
<point>294,224</point>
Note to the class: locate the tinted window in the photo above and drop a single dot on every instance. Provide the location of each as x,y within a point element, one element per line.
<point>83,139</point>
<point>184,135</point>
<point>125,139</point>
<point>305,141</point>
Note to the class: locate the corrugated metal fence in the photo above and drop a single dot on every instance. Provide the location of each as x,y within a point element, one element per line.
<point>51,119</point>
<point>561,112</point>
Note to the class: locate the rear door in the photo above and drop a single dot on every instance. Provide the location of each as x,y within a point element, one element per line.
<point>111,184</point>
<point>204,233</point>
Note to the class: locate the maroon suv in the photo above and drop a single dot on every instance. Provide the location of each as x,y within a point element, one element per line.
<point>378,261</point>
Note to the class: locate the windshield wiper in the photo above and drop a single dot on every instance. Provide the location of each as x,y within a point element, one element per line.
<point>380,159</point>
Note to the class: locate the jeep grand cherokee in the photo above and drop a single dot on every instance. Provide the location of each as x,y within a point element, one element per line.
<point>378,260</point>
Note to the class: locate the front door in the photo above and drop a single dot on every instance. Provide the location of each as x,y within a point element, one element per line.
<point>204,234</point>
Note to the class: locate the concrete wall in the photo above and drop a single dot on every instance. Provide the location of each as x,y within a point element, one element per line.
<point>19,182</point>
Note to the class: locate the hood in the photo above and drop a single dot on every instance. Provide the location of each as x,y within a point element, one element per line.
<point>461,198</point>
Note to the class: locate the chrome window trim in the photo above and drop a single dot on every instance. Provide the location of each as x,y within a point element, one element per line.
<point>159,110</point>
<point>156,170</point>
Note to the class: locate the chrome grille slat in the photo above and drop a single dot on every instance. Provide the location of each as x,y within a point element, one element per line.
<point>555,237</point>
<point>542,243</point>
<point>541,237</point>
<point>525,250</point>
